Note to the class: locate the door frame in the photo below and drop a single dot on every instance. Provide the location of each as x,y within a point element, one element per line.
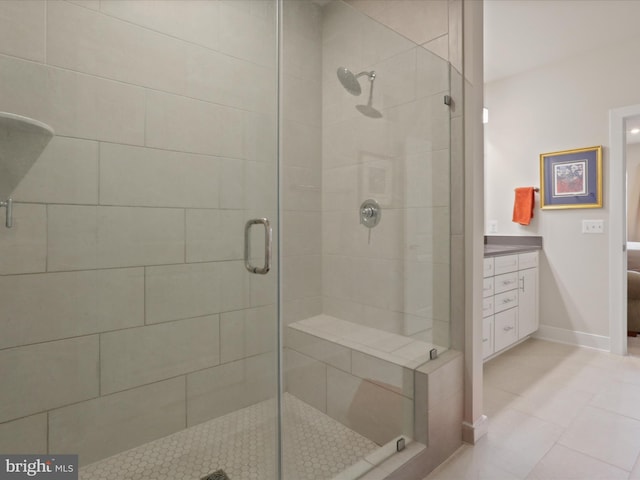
<point>618,227</point>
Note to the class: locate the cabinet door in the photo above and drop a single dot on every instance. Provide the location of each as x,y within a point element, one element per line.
<point>527,302</point>
<point>487,336</point>
<point>505,328</point>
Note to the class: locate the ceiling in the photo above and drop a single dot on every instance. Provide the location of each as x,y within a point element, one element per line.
<point>521,35</point>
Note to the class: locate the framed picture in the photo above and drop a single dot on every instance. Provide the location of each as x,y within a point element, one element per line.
<point>571,179</point>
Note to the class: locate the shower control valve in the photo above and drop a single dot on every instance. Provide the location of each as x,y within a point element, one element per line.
<point>370,213</point>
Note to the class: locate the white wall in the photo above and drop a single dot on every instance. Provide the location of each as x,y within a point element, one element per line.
<point>560,106</point>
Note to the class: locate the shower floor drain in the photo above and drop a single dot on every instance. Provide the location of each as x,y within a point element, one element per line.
<point>217,475</point>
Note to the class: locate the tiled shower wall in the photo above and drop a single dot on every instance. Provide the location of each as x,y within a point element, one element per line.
<point>394,277</point>
<point>126,312</point>
<point>301,160</point>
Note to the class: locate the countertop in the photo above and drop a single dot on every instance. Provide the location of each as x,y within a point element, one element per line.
<point>506,245</point>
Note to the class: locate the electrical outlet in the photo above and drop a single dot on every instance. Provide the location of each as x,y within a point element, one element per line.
<point>592,226</point>
<point>493,226</point>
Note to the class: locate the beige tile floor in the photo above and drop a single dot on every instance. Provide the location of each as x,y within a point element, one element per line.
<point>556,412</point>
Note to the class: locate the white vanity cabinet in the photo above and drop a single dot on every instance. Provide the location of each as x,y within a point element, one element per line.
<point>510,300</point>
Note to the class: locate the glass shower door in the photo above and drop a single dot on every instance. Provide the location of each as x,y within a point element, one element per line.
<point>365,163</point>
<point>131,331</point>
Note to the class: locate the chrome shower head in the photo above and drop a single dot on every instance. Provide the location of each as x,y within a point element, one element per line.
<point>349,81</point>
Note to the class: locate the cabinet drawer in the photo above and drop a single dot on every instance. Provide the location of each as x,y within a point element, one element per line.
<point>505,328</point>
<point>487,287</point>
<point>488,267</point>
<point>487,306</point>
<point>505,282</point>
<point>503,301</point>
<point>487,336</point>
<point>527,260</point>
<point>505,264</point>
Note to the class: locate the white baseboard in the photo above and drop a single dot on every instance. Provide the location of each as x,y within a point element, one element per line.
<point>472,433</point>
<point>572,337</point>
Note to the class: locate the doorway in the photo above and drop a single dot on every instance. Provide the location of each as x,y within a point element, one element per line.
<point>618,125</point>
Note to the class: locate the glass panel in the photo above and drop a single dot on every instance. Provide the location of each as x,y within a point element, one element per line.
<point>363,119</point>
<point>130,331</point>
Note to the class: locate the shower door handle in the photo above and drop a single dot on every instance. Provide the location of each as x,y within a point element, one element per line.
<point>267,246</point>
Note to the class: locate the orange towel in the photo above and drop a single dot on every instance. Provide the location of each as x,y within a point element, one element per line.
<point>523,205</point>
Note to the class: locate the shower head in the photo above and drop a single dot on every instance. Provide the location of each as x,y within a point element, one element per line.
<point>350,81</point>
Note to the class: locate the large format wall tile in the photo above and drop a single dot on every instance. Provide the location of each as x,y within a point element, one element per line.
<point>301,233</point>
<point>21,26</point>
<point>220,390</point>
<point>199,20</point>
<point>372,411</point>
<point>27,434</point>
<point>257,42</point>
<point>99,237</point>
<point>40,377</point>
<point>74,104</point>
<point>318,348</point>
<point>306,378</point>
<point>182,291</point>
<point>214,235</point>
<point>301,277</point>
<point>66,172</point>
<point>42,307</point>
<point>231,81</point>
<point>248,332</point>
<point>187,125</point>
<point>110,424</point>
<point>418,21</point>
<point>136,176</point>
<point>235,286</point>
<point>92,4</point>
<point>137,356</point>
<point>24,246</point>
<point>384,373</point>
<point>76,40</point>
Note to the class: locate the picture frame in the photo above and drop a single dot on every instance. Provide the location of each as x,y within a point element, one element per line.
<point>571,179</point>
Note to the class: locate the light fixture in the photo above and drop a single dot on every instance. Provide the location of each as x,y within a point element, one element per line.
<point>634,131</point>
<point>485,115</point>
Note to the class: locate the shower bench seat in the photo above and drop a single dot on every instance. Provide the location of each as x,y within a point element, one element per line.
<point>361,376</point>
<point>390,347</point>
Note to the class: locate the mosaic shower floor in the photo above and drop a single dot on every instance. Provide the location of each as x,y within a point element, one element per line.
<point>242,444</point>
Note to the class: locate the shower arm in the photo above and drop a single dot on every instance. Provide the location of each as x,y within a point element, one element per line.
<point>8,205</point>
<point>371,75</point>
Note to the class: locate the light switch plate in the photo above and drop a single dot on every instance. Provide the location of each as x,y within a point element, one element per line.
<point>592,226</point>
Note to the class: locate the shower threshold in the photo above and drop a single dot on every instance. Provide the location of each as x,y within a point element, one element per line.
<point>242,444</point>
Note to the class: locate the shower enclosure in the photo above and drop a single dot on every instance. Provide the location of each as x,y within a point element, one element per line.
<point>234,254</point>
